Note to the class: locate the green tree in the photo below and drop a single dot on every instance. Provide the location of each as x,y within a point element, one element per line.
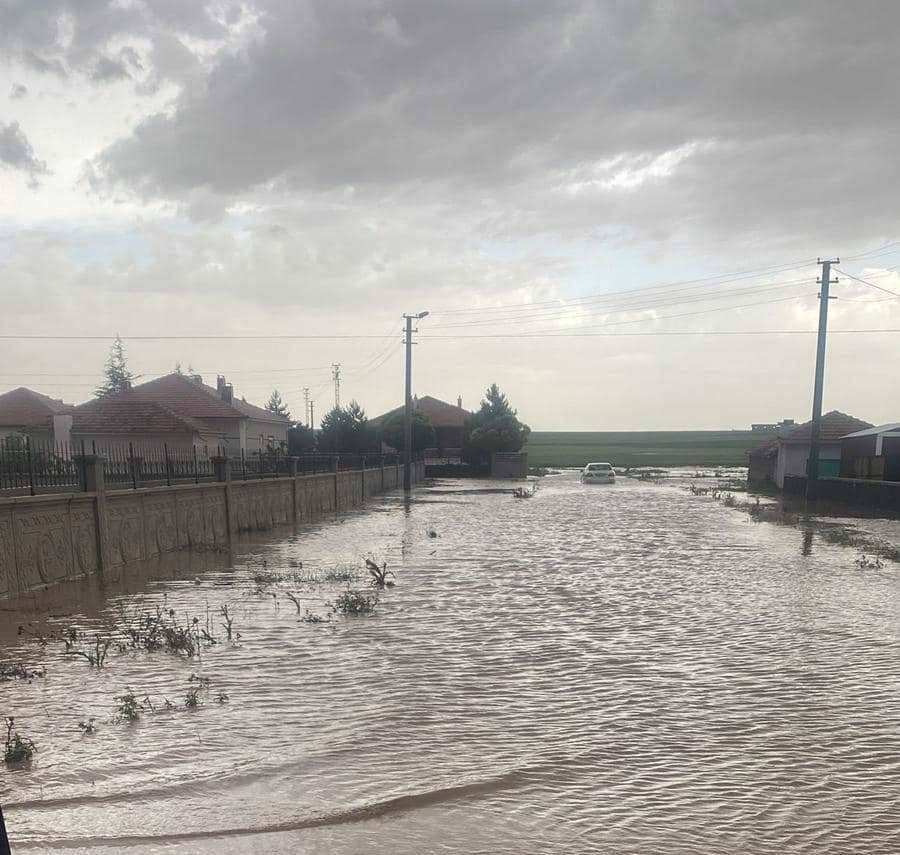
<point>345,429</point>
<point>495,427</point>
<point>422,432</point>
<point>301,439</point>
<point>117,376</point>
<point>276,405</point>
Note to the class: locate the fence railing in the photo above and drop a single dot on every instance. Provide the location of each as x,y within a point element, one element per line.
<point>31,467</point>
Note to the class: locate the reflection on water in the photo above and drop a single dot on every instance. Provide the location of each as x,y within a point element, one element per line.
<point>623,669</point>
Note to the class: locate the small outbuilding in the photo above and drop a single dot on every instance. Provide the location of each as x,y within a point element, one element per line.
<point>873,453</point>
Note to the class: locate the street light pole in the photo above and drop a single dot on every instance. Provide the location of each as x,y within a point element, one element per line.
<point>408,408</point>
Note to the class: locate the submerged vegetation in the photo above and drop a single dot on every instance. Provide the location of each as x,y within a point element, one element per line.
<point>16,749</point>
<point>785,513</point>
<point>18,671</point>
<point>355,602</point>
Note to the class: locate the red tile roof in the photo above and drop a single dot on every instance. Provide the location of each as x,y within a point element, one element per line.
<point>171,404</point>
<point>186,397</point>
<point>26,408</point>
<point>128,413</point>
<point>193,399</point>
<point>834,425</point>
<point>438,412</point>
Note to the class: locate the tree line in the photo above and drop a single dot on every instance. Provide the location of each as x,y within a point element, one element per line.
<point>494,427</point>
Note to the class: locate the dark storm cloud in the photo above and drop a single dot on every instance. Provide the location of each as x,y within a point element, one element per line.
<point>507,97</point>
<point>16,152</point>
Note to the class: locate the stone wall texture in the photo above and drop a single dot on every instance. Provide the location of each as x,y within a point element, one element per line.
<point>53,538</point>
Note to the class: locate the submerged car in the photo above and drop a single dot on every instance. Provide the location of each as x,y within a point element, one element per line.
<point>598,473</point>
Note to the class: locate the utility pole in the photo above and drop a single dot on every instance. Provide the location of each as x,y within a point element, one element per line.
<point>312,418</point>
<point>306,416</point>
<point>815,430</point>
<point>336,374</point>
<point>407,410</point>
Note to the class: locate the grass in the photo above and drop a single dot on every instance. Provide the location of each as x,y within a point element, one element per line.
<point>641,448</point>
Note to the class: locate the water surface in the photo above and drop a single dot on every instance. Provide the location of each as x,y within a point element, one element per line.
<point>623,669</point>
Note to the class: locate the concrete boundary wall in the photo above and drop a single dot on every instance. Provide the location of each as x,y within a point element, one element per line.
<point>54,538</point>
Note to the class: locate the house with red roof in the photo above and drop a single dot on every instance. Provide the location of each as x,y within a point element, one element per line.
<point>26,413</point>
<point>181,411</point>
<point>788,454</point>
<point>448,420</point>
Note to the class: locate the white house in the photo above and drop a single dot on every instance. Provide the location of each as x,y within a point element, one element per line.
<point>792,450</point>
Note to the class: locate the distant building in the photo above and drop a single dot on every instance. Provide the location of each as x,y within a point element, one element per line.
<point>182,411</point>
<point>448,421</point>
<point>788,453</point>
<point>765,427</point>
<point>872,454</point>
<point>26,413</point>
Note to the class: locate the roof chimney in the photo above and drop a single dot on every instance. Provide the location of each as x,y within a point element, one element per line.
<point>228,394</point>
<point>220,385</point>
<point>459,402</point>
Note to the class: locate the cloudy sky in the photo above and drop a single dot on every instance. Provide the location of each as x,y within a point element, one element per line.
<point>607,207</point>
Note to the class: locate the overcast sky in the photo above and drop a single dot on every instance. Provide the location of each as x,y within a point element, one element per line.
<point>614,188</point>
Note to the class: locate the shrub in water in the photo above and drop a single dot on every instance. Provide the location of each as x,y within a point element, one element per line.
<point>355,602</point>
<point>127,709</point>
<point>17,749</point>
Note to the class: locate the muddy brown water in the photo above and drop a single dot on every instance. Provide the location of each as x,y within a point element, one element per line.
<point>623,669</point>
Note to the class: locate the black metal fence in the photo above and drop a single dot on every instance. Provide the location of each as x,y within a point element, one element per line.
<point>28,467</point>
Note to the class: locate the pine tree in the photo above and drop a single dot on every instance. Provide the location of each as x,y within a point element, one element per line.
<point>276,405</point>
<point>346,429</point>
<point>495,427</point>
<point>117,376</point>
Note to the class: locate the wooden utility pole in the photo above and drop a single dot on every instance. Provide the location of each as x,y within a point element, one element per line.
<point>306,416</point>
<point>407,409</point>
<point>815,430</point>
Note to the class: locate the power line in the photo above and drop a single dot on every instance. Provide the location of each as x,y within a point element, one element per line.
<point>652,333</point>
<point>865,282</point>
<point>270,337</point>
<point>684,284</point>
<point>640,307</point>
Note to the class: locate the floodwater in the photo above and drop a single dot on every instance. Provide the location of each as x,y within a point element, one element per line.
<point>621,669</point>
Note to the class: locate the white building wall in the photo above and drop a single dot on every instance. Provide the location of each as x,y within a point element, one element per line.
<point>793,459</point>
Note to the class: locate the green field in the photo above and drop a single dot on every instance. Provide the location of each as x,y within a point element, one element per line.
<point>641,448</point>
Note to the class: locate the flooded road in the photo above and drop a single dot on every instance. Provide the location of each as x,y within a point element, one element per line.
<point>624,669</point>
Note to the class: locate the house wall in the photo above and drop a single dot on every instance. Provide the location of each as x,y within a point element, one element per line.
<point>258,434</point>
<point>49,539</point>
<point>40,436</point>
<point>174,441</point>
<point>761,470</point>
<point>227,432</point>
<point>793,457</point>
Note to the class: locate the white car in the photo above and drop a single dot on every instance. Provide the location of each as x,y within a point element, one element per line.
<point>598,473</point>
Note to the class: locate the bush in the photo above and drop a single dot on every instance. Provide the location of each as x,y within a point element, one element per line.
<point>17,749</point>
<point>355,602</point>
